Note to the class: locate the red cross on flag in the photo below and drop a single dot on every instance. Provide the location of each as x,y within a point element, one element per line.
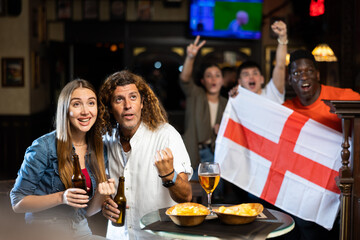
<point>280,156</point>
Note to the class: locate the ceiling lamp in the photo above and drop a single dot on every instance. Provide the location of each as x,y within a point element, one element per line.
<point>317,8</point>
<point>323,53</point>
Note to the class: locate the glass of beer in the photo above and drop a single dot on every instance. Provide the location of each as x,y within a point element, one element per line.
<point>209,177</point>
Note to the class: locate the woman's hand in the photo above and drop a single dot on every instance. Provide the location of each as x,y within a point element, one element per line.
<point>193,48</point>
<point>75,197</point>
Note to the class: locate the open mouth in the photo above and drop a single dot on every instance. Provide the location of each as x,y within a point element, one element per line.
<point>84,119</point>
<point>128,116</point>
<point>213,85</point>
<point>252,84</point>
<point>305,86</point>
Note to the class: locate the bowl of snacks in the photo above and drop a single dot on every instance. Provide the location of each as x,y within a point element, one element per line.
<point>239,214</point>
<point>187,214</point>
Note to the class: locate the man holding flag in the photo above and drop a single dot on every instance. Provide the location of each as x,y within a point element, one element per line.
<point>288,156</point>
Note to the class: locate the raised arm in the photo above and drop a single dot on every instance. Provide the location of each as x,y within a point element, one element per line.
<point>278,76</point>
<point>191,52</point>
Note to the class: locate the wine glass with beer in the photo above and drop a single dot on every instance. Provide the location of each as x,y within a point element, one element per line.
<point>209,177</point>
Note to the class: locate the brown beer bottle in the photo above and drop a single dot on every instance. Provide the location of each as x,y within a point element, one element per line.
<point>78,178</point>
<point>120,200</point>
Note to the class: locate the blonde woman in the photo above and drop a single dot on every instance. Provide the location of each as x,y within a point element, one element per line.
<point>43,189</point>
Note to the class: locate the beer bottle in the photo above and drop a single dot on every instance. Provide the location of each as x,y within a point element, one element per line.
<point>120,200</point>
<point>78,178</point>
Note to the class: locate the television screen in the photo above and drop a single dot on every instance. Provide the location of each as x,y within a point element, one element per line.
<point>237,19</point>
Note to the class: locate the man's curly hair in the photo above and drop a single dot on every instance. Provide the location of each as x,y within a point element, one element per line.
<point>153,113</point>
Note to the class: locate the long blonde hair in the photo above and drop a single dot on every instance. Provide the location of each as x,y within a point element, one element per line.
<point>64,137</point>
<point>153,113</point>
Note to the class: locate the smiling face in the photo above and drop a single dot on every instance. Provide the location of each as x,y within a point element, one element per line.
<point>82,110</point>
<point>212,80</point>
<point>251,79</point>
<point>126,105</point>
<point>305,80</point>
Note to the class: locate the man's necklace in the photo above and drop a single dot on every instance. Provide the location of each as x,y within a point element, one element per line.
<point>125,139</point>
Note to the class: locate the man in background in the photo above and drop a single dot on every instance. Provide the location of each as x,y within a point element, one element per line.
<point>229,80</point>
<point>251,78</point>
<point>304,77</point>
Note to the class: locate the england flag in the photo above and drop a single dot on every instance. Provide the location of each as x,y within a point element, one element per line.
<point>281,156</point>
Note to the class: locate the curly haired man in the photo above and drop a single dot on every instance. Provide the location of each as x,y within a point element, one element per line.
<point>144,148</point>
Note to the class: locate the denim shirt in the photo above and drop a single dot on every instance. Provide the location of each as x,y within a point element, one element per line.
<point>39,175</point>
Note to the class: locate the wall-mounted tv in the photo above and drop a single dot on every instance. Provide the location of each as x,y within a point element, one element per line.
<point>234,19</point>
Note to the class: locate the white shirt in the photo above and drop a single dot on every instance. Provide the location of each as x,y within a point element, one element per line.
<point>271,92</point>
<point>144,191</point>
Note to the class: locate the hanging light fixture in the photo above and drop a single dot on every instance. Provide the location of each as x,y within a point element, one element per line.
<point>323,53</point>
<point>317,8</point>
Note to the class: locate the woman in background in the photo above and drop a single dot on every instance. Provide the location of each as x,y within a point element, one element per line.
<point>204,107</point>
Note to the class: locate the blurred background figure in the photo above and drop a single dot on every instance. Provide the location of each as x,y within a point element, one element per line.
<point>230,80</point>
<point>204,109</point>
<point>242,18</point>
